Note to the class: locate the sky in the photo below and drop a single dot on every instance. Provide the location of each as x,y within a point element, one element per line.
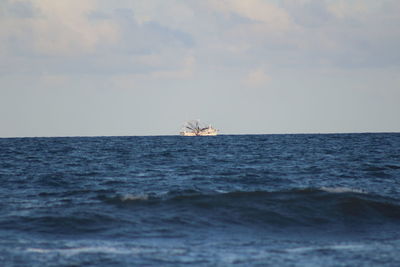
<point>144,67</point>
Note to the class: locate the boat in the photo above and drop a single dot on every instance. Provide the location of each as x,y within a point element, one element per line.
<point>194,128</point>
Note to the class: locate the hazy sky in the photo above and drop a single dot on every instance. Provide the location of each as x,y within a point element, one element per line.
<point>144,67</point>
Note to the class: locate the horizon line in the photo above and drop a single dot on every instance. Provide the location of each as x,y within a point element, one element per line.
<point>224,134</point>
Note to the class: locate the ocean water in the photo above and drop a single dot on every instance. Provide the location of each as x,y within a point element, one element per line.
<point>244,200</point>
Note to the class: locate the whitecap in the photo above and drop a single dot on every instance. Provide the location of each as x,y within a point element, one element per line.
<point>130,197</point>
<point>342,190</point>
<point>79,250</point>
<point>109,249</point>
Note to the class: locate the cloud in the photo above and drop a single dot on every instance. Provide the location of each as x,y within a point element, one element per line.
<point>160,54</point>
<point>185,71</point>
<point>257,78</point>
<point>260,11</point>
<point>345,9</point>
<point>251,23</point>
<point>60,28</point>
<point>149,37</point>
<point>72,37</point>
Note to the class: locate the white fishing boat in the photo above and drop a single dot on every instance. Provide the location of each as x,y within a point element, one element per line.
<point>194,128</point>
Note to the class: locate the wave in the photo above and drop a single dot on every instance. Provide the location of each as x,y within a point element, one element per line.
<point>130,197</point>
<point>308,207</point>
<point>342,190</point>
<point>79,250</point>
<point>179,213</point>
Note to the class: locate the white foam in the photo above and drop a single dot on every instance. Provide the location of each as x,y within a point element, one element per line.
<point>110,249</point>
<point>130,197</point>
<point>342,190</point>
<point>79,250</point>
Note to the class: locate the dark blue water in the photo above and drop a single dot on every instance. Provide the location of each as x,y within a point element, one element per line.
<point>277,200</point>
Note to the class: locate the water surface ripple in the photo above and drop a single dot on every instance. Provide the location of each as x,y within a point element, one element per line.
<point>275,200</point>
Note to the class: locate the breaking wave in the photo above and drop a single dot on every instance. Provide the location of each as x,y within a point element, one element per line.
<point>307,207</point>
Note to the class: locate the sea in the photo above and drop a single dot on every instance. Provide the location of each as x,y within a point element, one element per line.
<point>228,200</point>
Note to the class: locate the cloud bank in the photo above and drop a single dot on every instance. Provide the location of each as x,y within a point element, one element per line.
<point>146,36</point>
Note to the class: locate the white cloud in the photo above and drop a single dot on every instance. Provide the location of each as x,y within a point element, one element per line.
<point>149,37</point>
<point>57,28</point>
<point>257,78</point>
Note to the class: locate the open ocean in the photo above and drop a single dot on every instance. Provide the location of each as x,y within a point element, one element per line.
<point>244,200</point>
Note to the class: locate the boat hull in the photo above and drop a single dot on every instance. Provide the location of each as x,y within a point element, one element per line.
<point>198,134</point>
